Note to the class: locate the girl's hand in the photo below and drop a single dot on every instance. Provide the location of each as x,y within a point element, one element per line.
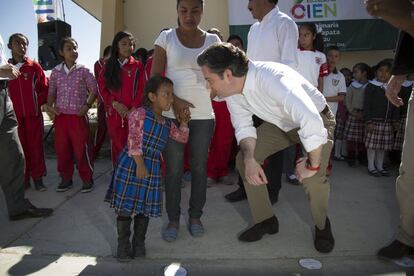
<point>396,126</point>
<point>52,111</point>
<point>83,111</point>
<point>370,127</point>
<point>180,105</point>
<point>120,108</point>
<point>142,171</point>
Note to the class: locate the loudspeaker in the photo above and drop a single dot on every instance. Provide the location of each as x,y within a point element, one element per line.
<point>49,35</point>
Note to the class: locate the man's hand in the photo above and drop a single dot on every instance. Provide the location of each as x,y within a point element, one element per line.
<point>52,111</point>
<point>254,173</point>
<point>301,171</point>
<point>393,88</point>
<point>9,71</point>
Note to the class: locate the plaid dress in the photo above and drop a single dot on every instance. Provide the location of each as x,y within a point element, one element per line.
<point>381,138</point>
<point>354,129</point>
<point>127,193</point>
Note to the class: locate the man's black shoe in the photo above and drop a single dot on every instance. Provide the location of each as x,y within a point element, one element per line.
<point>396,250</point>
<point>33,212</point>
<point>256,232</point>
<point>237,195</point>
<point>324,240</point>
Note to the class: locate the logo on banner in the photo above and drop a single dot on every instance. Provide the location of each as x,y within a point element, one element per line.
<point>314,9</point>
<point>47,10</point>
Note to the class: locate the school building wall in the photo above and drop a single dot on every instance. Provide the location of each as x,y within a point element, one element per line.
<point>145,18</point>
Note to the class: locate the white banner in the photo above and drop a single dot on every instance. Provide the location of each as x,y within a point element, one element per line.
<point>304,10</point>
<point>48,10</point>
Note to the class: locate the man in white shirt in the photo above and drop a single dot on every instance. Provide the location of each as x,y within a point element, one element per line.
<point>293,111</point>
<point>274,37</point>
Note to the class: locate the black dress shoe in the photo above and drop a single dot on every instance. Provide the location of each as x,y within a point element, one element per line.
<point>396,250</point>
<point>324,240</point>
<point>33,212</point>
<point>237,195</point>
<point>256,232</point>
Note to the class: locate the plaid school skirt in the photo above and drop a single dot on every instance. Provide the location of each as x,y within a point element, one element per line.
<point>381,138</point>
<point>399,136</point>
<point>354,129</point>
<point>339,129</point>
<point>128,194</point>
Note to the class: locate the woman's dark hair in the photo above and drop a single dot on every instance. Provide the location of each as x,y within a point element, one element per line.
<point>18,35</point>
<point>318,41</point>
<point>152,86</point>
<point>201,2</point>
<point>363,67</point>
<point>65,40</point>
<point>236,37</point>
<point>112,73</point>
<point>221,56</point>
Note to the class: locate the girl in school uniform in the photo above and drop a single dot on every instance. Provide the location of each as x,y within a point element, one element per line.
<point>354,101</point>
<point>135,190</point>
<point>121,83</point>
<point>28,93</point>
<point>405,93</point>
<point>381,119</point>
<point>69,102</point>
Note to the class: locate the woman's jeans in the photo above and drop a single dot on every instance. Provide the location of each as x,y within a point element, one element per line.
<point>201,132</point>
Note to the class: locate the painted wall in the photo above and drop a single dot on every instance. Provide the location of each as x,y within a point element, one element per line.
<point>145,19</point>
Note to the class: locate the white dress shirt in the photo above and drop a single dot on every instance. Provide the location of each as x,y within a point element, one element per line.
<point>278,95</point>
<point>275,38</point>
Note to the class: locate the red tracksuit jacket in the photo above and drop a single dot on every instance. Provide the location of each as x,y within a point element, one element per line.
<point>29,91</point>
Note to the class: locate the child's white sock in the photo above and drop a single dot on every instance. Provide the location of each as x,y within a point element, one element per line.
<point>371,158</point>
<point>379,159</point>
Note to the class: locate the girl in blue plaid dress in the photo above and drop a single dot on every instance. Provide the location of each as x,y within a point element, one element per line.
<point>381,119</point>
<point>135,189</point>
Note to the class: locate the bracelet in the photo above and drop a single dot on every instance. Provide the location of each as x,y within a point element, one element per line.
<point>309,166</point>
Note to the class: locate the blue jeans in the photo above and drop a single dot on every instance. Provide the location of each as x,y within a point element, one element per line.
<point>201,132</point>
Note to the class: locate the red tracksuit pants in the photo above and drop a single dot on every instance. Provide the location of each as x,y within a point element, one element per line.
<point>222,142</point>
<point>101,130</point>
<point>73,139</point>
<point>31,137</point>
<point>118,133</point>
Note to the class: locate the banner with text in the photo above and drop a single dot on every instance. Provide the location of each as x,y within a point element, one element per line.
<point>48,10</point>
<point>344,23</point>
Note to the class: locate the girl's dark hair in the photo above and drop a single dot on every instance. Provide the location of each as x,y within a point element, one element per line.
<point>141,53</point>
<point>273,1</point>
<point>363,67</point>
<point>385,62</point>
<point>113,68</point>
<point>18,35</point>
<point>236,37</point>
<point>152,86</point>
<point>65,40</point>
<point>318,41</point>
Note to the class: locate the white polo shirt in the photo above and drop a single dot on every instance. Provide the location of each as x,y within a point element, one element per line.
<point>275,38</point>
<point>312,65</point>
<point>281,96</point>
<point>333,85</point>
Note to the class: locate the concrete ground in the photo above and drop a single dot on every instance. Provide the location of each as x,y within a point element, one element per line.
<point>80,238</point>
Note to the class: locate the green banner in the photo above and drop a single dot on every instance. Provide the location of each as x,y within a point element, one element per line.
<point>349,35</point>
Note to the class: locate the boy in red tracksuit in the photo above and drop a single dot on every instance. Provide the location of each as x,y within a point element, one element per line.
<point>28,93</point>
<point>102,129</point>
<point>121,84</point>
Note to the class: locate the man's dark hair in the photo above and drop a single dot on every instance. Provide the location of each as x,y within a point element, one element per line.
<point>221,56</point>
